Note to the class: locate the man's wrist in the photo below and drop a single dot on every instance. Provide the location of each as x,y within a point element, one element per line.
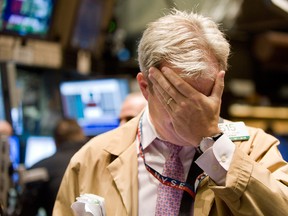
<point>207,142</point>
<point>217,136</point>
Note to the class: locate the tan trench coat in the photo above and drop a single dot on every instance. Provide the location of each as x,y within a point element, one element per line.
<point>256,183</point>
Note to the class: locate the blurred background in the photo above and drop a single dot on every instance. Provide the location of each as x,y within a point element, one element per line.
<point>78,59</point>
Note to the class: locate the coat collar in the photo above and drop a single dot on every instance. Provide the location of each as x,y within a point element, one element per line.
<point>124,136</point>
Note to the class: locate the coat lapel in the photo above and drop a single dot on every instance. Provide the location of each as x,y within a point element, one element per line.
<point>124,168</point>
<point>124,172</point>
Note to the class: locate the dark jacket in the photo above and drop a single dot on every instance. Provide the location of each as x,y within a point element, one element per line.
<point>43,193</point>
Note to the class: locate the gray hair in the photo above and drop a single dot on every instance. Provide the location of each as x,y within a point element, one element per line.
<point>186,41</point>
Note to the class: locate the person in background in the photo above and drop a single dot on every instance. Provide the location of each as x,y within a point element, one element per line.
<point>5,128</point>
<point>178,156</point>
<point>69,138</point>
<point>133,104</point>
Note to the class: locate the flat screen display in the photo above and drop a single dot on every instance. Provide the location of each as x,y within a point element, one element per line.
<point>86,31</point>
<point>38,148</point>
<point>26,17</point>
<point>94,103</point>
<point>14,144</point>
<point>2,101</point>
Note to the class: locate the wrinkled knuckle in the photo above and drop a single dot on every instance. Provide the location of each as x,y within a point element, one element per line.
<point>179,85</point>
<point>183,104</point>
<point>178,112</point>
<point>169,89</point>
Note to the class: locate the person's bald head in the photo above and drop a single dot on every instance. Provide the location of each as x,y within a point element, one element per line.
<point>132,106</point>
<point>5,128</point>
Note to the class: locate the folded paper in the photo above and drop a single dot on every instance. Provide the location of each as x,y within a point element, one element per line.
<point>89,205</point>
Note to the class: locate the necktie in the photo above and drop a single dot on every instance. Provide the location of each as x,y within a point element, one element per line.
<point>187,201</point>
<point>169,198</point>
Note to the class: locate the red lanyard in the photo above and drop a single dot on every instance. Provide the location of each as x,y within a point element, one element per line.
<point>163,179</point>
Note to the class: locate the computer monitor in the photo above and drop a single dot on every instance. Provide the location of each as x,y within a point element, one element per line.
<point>14,146</point>
<point>38,148</point>
<point>95,104</point>
<point>26,17</point>
<point>2,101</point>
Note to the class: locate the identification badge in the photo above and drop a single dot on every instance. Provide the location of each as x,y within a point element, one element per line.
<point>236,131</point>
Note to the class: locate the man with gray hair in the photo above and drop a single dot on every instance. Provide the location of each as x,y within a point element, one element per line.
<point>178,156</point>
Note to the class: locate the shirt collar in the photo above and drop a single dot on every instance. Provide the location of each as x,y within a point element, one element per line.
<point>148,130</point>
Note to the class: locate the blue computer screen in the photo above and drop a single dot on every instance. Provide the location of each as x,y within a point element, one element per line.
<point>14,144</point>
<point>94,103</point>
<point>2,101</point>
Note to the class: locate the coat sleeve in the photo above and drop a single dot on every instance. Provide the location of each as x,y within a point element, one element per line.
<point>257,180</point>
<point>67,194</point>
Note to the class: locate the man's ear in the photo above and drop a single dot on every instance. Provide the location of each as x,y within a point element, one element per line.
<point>143,84</point>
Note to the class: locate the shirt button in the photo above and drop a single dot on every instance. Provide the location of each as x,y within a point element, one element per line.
<point>223,158</point>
